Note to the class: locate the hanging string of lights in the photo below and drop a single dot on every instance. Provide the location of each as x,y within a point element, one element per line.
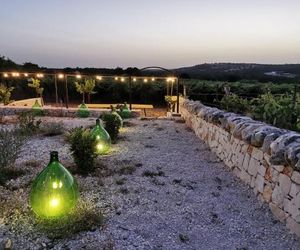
<point>145,79</point>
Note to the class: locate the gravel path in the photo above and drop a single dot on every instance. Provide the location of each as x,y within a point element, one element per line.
<point>178,196</point>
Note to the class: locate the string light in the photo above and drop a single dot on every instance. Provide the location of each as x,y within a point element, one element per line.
<point>145,80</point>
<point>153,79</point>
<point>5,75</point>
<point>116,78</point>
<point>122,79</point>
<point>40,75</point>
<point>15,74</point>
<point>99,78</point>
<point>60,76</point>
<point>134,79</point>
<point>26,74</point>
<point>78,76</point>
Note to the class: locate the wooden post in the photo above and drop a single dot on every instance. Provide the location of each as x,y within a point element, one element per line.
<point>66,92</point>
<point>130,93</point>
<point>177,94</point>
<point>56,94</point>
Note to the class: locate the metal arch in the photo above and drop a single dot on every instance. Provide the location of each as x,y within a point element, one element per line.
<point>173,73</point>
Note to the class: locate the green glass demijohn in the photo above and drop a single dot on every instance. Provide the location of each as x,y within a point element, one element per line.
<point>102,138</point>
<point>54,192</point>
<point>83,111</point>
<point>37,109</point>
<point>125,112</point>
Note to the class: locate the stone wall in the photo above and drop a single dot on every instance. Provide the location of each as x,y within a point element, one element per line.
<point>53,111</point>
<point>265,157</point>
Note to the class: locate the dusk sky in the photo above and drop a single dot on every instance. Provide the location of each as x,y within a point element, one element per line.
<point>168,33</point>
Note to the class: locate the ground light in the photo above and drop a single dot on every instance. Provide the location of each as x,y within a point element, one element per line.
<point>54,191</point>
<point>102,138</point>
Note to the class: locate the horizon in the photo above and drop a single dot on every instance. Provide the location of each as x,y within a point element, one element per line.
<point>171,34</point>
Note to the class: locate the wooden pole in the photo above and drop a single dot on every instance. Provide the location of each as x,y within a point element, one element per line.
<point>66,92</point>
<point>177,94</point>
<point>130,93</point>
<point>56,94</point>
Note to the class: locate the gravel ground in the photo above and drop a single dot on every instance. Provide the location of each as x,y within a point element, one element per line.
<point>177,195</point>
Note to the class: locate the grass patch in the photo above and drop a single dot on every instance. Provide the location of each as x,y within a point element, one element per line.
<point>53,129</point>
<point>7,174</point>
<point>32,163</point>
<point>152,174</point>
<point>121,181</point>
<point>85,217</point>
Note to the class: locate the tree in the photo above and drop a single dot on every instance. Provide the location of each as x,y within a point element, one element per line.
<point>36,85</point>
<point>5,94</point>
<point>86,88</point>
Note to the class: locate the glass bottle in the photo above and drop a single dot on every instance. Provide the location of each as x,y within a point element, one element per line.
<point>54,192</point>
<point>102,138</point>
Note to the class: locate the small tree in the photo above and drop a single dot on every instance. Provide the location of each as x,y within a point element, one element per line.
<point>5,94</point>
<point>86,88</point>
<point>36,85</point>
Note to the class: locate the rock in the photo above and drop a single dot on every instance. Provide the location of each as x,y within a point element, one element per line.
<point>278,168</point>
<point>278,196</point>
<point>8,244</point>
<point>295,189</point>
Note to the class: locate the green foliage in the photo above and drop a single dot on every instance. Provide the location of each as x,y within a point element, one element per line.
<point>86,88</point>
<point>112,123</point>
<point>124,111</point>
<point>11,142</point>
<point>36,85</point>
<point>28,124</point>
<point>276,110</point>
<point>5,94</point>
<point>234,103</point>
<point>53,128</point>
<point>82,147</point>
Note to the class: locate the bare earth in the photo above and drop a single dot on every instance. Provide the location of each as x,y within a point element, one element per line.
<point>179,196</point>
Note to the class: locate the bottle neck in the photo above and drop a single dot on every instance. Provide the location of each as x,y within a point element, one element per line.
<point>53,156</point>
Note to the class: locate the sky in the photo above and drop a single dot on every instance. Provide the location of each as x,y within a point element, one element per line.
<point>167,33</point>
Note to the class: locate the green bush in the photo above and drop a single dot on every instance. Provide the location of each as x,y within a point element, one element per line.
<point>5,94</point>
<point>82,147</point>
<point>11,142</point>
<point>112,123</point>
<point>234,103</point>
<point>53,128</point>
<point>28,125</point>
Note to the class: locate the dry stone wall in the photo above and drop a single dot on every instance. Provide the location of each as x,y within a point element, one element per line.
<point>265,157</point>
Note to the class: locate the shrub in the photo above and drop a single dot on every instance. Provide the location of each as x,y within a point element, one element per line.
<point>28,125</point>
<point>234,103</point>
<point>5,93</point>
<point>112,123</point>
<point>11,142</point>
<point>53,129</point>
<point>82,147</point>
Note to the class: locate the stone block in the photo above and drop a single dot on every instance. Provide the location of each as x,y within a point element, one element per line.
<point>284,183</point>
<point>260,183</point>
<point>257,154</point>
<point>296,177</point>
<point>293,226</point>
<point>253,166</point>
<point>278,196</point>
<point>295,189</point>
<point>246,161</point>
<point>245,177</point>
<point>278,168</point>
<point>262,170</point>
<point>267,194</point>
<point>278,212</point>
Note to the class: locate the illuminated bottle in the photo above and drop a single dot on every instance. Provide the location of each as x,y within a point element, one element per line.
<point>125,112</point>
<point>83,111</point>
<point>37,109</point>
<point>54,192</point>
<point>102,138</point>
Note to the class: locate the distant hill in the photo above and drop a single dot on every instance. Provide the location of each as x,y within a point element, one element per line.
<point>209,71</point>
<point>238,71</point>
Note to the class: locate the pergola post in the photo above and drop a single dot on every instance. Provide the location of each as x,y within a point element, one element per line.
<point>56,94</point>
<point>67,92</point>
<point>130,93</point>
